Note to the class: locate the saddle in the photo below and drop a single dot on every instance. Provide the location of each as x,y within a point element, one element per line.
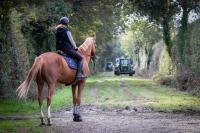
<point>72,63</point>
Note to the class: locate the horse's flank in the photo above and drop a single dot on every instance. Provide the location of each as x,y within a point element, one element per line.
<point>55,69</point>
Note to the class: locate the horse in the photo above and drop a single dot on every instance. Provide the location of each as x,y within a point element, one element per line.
<point>50,67</point>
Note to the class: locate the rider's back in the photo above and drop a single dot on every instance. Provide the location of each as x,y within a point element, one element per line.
<point>62,40</point>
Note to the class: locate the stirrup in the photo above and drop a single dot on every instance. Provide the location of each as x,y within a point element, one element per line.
<point>81,77</point>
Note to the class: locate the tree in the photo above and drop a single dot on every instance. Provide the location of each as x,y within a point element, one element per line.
<point>160,11</point>
<point>186,6</point>
<point>141,37</point>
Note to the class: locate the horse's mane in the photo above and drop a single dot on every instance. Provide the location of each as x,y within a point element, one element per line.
<point>89,41</point>
<point>85,49</point>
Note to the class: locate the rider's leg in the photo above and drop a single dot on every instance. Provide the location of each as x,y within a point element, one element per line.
<point>79,70</point>
<point>79,58</point>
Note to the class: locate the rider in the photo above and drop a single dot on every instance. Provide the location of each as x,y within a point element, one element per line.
<point>66,44</point>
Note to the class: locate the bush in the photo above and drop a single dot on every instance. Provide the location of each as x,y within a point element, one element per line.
<point>167,80</point>
<point>187,81</point>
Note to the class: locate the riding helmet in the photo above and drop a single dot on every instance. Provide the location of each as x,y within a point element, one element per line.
<point>64,20</point>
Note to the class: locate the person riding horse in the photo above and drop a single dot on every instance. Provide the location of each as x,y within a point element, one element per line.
<point>66,44</point>
<point>51,68</point>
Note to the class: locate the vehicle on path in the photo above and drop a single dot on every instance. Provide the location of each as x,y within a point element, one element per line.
<point>124,66</point>
<point>109,66</point>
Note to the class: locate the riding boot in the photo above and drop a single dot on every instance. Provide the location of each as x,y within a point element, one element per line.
<point>79,75</point>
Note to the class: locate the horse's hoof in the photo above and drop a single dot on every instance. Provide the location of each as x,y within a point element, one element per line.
<point>77,118</point>
<point>49,122</point>
<point>42,124</point>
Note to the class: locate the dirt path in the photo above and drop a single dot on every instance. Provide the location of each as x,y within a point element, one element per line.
<point>97,121</point>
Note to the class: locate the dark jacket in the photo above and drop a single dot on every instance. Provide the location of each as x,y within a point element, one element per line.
<point>63,42</point>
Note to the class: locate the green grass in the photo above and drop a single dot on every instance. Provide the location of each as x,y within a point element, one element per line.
<point>61,99</point>
<point>29,126</point>
<point>14,107</point>
<point>163,98</point>
<point>141,92</point>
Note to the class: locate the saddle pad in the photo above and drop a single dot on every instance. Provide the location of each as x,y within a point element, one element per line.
<point>70,61</point>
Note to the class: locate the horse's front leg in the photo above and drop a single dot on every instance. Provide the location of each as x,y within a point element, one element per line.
<point>74,95</point>
<point>77,115</point>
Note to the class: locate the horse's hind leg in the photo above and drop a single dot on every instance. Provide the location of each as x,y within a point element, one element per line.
<point>51,88</point>
<point>40,85</point>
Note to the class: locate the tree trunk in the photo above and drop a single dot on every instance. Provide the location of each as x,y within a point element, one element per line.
<point>167,35</point>
<point>167,28</point>
<point>138,60</point>
<point>183,31</point>
<point>149,58</point>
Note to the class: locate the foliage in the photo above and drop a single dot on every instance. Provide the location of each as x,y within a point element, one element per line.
<point>160,11</point>
<point>13,54</point>
<point>183,37</point>
<point>191,50</point>
<point>166,65</point>
<point>142,36</point>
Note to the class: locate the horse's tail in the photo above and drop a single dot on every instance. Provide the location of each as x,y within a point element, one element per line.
<point>22,90</point>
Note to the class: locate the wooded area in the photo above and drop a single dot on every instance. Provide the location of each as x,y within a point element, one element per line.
<point>162,36</point>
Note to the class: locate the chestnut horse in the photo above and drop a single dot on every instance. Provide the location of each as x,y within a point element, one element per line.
<point>51,68</point>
